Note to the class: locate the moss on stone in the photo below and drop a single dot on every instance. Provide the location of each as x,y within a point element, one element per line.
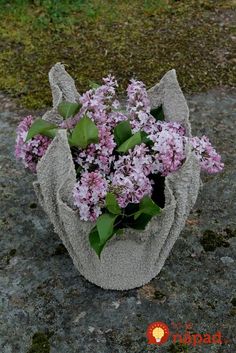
<point>40,343</point>
<point>142,39</point>
<point>212,240</point>
<point>232,311</point>
<point>233,301</point>
<point>159,295</point>
<point>60,250</point>
<point>10,255</point>
<point>230,233</point>
<point>178,348</point>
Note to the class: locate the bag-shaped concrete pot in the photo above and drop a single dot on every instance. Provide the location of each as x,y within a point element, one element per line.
<point>134,258</point>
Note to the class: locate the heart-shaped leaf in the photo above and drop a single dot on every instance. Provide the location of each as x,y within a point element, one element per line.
<point>84,133</point>
<point>141,222</point>
<point>147,206</point>
<point>158,113</point>
<point>112,204</point>
<point>134,140</point>
<point>94,241</point>
<point>122,132</point>
<point>50,133</point>
<point>68,109</point>
<point>105,226</point>
<point>41,127</point>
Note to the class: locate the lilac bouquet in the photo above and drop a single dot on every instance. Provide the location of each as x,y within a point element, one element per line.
<point>122,153</point>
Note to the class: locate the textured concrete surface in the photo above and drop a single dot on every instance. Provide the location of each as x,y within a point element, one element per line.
<point>44,302</point>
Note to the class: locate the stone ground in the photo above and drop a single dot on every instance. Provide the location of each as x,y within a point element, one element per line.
<point>46,304</point>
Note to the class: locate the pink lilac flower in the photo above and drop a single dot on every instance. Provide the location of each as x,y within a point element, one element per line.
<point>99,154</point>
<point>137,98</point>
<point>31,151</point>
<point>169,151</point>
<point>89,195</point>
<point>138,159</point>
<point>131,187</point>
<point>115,117</point>
<point>138,106</point>
<point>209,159</point>
<point>144,122</point>
<point>98,102</point>
<point>100,105</point>
<point>152,126</point>
<point>116,104</point>
<point>172,126</point>
<point>130,176</point>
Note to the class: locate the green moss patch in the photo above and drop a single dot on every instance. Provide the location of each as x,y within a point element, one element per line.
<point>212,240</point>
<point>40,343</point>
<point>10,255</point>
<point>136,38</point>
<point>233,301</point>
<point>178,348</point>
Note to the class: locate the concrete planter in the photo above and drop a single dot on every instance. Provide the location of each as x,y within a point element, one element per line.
<point>133,259</point>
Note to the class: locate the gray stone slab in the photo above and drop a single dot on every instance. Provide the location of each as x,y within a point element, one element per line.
<point>41,291</point>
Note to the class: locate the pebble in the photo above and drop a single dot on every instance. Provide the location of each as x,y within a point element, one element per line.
<point>227,260</point>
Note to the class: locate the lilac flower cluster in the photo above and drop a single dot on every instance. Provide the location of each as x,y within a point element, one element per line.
<point>101,168</point>
<point>100,105</point>
<point>128,176</point>
<point>138,106</point>
<point>89,195</point>
<point>210,160</point>
<point>31,151</point>
<point>99,154</point>
<point>169,147</point>
<point>138,100</point>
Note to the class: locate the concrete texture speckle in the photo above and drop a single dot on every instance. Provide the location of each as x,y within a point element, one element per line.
<point>47,306</point>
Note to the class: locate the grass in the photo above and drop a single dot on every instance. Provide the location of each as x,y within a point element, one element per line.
<point>138,38</point>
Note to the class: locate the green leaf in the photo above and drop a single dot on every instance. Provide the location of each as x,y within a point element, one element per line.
<point>102,232</point>
<point>122,132</point>
<point>158,113</point>
<point>134,140</point>
<point>112,204</point>
<point>79,170</point>
<point>105,226</point>
<point>119,231</point>
<point>141,222</point>
<point>94,241</point>
<point>68,109</point>
<point>50,133</point>
<point>147,206</point>
<point>41,127</point>
<point>84,133</point>
<point>145,139</point>
<point>94,85</point>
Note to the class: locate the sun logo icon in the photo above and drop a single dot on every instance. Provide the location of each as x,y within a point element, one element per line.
<point>157,333</point>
